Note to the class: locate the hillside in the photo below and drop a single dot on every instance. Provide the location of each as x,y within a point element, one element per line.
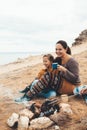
<point>82,38</point>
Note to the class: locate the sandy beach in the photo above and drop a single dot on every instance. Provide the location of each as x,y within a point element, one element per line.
<point>15,76</point>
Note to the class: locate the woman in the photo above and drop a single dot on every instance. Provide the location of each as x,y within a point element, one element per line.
<point>64,79</point>
<point>69,68</point>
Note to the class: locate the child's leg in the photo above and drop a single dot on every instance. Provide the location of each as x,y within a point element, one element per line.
<point>33,83</point>
<point>26,89</point>
<point>47,94</point>
<point>25,97</point>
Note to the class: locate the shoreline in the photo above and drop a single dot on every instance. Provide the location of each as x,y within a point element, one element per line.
<point>20,63</point>
<point>34,60</point>
<point>11,57</point>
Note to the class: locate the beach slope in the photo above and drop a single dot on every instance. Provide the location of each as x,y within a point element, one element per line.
<point>15,76</point>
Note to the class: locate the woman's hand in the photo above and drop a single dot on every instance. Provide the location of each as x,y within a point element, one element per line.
<point>61,68</point>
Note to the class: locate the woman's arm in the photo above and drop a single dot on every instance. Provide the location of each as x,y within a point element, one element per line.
<point>70,71</point>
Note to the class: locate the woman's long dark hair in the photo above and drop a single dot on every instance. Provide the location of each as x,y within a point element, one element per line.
<point>65,46</point>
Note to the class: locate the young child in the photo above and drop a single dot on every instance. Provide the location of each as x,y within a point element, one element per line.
<point>47,62</point>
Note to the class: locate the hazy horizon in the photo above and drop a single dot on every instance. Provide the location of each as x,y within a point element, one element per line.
<point>36,25</point>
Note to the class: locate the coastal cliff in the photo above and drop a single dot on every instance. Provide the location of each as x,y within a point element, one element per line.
<point>82,38</point>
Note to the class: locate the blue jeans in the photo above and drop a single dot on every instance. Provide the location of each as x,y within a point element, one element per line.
<point>46,93</point>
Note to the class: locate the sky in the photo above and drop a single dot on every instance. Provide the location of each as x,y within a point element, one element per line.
<point>36,25</point>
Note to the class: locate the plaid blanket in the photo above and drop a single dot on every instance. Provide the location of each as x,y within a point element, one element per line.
<point>48,80</point>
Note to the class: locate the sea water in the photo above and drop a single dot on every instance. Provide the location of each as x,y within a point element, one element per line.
<point>9,57</point>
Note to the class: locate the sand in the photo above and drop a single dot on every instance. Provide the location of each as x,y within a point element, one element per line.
<point>15,76</point>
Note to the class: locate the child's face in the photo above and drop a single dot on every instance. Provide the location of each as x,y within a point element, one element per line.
<point>46,62</point>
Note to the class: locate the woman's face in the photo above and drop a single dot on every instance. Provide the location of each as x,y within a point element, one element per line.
<point>46,62</point>
<point>60,51</point>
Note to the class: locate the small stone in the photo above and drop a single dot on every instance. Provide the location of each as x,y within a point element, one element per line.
<point>23,122</point>
<point>41,123</point>
<point>12,119</point>
<point>56,127</point>
<point>26,112</point>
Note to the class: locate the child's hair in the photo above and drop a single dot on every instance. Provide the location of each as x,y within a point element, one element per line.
<point>49,56</point>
